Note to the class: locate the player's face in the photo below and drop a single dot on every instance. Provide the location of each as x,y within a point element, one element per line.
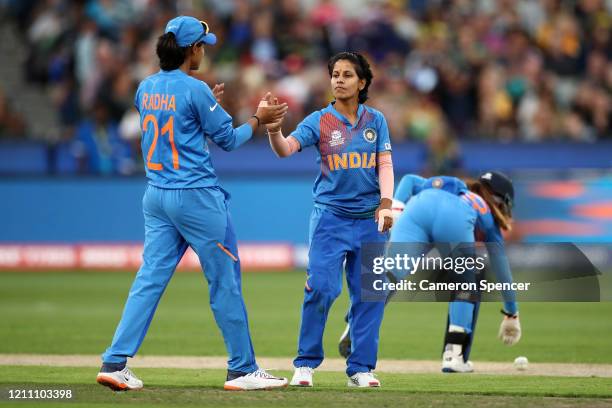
<point>344,81</point>
<point>196,56</point>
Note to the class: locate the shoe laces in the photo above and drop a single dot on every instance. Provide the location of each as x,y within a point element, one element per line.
<point>369,374</point>
<point>126,371</point>
<point>261,373</point>
<point>305,370</point>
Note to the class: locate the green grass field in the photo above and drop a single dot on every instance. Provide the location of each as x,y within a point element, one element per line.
<point>172,387</point>
<point>76,313</point>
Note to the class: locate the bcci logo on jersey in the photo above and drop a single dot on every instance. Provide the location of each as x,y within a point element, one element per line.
<point>336,138</point>
<point>369,135</point>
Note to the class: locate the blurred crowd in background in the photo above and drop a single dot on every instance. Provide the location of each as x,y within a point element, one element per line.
<point>444,70</point>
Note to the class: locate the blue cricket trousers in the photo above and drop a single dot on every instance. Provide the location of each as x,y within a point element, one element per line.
<point>438,216</point>
<point>335,240</point>
<point>174,220</point>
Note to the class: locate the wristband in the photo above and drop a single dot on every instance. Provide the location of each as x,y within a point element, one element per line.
<point>257,118</point>
<point>509,315</point>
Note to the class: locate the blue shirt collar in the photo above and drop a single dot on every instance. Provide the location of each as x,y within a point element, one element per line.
<point>332,109</point>
<point>172,72</point>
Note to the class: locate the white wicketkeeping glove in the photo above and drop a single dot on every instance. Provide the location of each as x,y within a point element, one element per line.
<point>510,330</point>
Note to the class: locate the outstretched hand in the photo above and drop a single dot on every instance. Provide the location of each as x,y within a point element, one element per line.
<point>270,111</point>
<point>218,91</point>
<point>275,126</point>
<point>510,330</point>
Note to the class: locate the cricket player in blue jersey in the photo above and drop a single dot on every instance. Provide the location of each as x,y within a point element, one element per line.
<point>449,210</point>
<point>184,206</point>
<point>352,196</point>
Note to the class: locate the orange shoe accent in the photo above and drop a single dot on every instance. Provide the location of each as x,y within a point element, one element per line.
<point>111,383</point>
<point>232,388</point>
<point>227,252</point>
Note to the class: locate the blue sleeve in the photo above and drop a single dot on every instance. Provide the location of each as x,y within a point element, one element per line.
<point>307,131</point>
<point>408,186</point>
<point>216,122</point>
<point>499,261</point>
<point>383,142</point>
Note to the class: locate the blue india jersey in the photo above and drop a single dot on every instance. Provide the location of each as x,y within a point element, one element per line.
<point>348,181</point>
<point>471,206</point>
<point>178,114</point>
<point>485,227</point>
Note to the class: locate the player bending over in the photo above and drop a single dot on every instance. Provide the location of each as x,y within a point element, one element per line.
<point>446,209</point>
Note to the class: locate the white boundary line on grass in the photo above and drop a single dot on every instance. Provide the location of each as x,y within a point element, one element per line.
<point>332,364</point>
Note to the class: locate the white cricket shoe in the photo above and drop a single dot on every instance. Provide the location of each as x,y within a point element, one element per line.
<point>123,380</point>
<point>302,377</point>
<point>257,380</point>
<point>452,360</point>
<point>363,380</point>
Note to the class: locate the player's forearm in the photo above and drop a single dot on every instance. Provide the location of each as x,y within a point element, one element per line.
<point>254,123</point>
<point>231,138</point>
<point>501,268</point>
<point>283,146</point>
<point>511,307</point>
<point>385,175</point>
<point>236,137</point>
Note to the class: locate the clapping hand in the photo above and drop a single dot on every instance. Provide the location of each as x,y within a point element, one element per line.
<point>218,91</point>
<point>270,112</point>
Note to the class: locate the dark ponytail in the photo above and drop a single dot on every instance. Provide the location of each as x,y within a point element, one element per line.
<point>500,211</point>
<point>171,56</point>
<point>362,68</point>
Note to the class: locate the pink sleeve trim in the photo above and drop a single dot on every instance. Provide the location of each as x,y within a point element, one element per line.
<point>385,175</point>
